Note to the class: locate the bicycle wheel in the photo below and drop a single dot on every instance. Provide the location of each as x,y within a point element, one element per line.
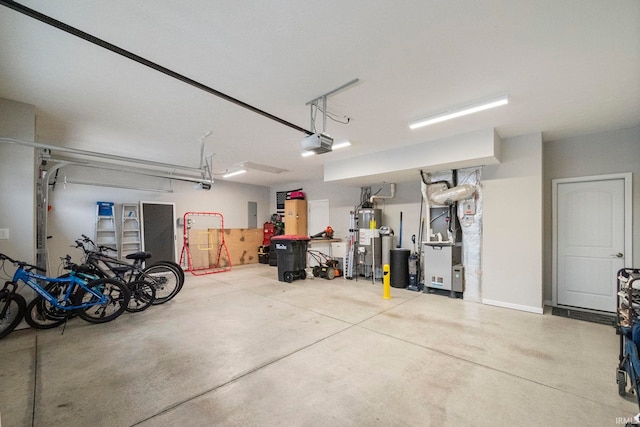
<point>176,267</point>
<point>37,315</point>
<point>142,296</point>
<point>117,295</point>
<point>13,306</point>
<point>165,279</point>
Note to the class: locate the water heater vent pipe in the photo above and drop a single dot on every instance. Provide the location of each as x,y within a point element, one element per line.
<point>391,196</point>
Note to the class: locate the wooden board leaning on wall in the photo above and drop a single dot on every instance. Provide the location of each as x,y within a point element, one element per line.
<point>242,244</point>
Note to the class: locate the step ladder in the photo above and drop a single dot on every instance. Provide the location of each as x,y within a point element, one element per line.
<point>106,226</point>
<point>130,230</point>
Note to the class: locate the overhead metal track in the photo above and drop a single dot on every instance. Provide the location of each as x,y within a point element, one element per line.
<point>334,91</point>
<point>94,154</point>
<point>126,187</point>
<point>142,172</point>
<point>113,48</point>
<point>120,163</point>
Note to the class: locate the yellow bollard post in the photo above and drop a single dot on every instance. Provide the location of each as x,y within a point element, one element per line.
<point>386,282</point>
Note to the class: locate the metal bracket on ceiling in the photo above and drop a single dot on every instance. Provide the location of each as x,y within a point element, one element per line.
<point>206,162</point>
<point>314,103</point>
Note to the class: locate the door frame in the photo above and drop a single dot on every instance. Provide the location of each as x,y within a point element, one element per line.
<point>175,236</point>
<point>628,221</point>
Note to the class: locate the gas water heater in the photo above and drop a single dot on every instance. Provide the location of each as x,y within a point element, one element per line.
<point>369,245</point>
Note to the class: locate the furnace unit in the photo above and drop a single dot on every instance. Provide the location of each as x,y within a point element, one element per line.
<point>442,269</point>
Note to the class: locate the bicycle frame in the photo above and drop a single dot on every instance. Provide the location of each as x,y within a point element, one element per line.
<point>100,261</point>
<point>97,259</point>
<point>159,275</point>
<point>5,292</point>
<point>30,279</point>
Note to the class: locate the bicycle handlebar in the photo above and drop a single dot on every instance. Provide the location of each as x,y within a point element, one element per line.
<point>86,238</point>
<point>21,264</point>
<point>100,248</point>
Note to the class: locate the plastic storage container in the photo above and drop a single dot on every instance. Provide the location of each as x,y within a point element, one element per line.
<point>268,230</point>
<point>105,208</point>
<point>399,268</point>
<point>292,256</point>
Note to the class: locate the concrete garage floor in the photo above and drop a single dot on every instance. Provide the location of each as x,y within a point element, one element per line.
<point>243,349</point>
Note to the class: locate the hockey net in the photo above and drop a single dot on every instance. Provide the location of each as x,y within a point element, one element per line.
<point>204,250</point>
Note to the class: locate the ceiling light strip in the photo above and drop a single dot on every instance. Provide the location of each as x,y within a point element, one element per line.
<point>234,173</point>
<point>113,48</point>
<point>463,111</point>
<point>334,147</point>
<point>341,145</point>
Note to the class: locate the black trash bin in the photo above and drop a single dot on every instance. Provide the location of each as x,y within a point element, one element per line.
<point>273,255</point>
<point>292,256</point>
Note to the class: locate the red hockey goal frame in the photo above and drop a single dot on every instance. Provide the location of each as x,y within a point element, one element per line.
<point>216,247</point>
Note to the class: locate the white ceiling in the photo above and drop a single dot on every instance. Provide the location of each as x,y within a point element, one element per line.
<point>570,67</point>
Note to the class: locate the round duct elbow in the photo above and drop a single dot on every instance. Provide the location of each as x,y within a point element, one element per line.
<point>450,195</point>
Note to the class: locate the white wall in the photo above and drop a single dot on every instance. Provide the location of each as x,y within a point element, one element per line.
<point>512,218</point>
<point>343,199</point>
<point>512,226</point>
<point>73,208</point>
<point>460,151</point>
<point>595,154</point>
<point>17,186</point>
<point>17,178</point>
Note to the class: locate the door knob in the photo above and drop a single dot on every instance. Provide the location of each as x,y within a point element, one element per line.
<point>618,255</point>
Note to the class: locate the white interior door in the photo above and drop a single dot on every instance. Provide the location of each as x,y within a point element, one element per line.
<point>590,221</point>
<point>317,216</point>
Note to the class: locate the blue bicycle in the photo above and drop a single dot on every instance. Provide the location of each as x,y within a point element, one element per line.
<point>79,293</point>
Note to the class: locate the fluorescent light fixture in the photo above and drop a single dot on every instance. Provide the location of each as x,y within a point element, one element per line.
<point>258,166</point>
<point>335,147</point>
<point>459,112</point>
<point>234,173</point>
<point>341,145</point>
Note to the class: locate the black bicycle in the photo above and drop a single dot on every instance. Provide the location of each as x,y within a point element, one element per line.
<point>152,285</point>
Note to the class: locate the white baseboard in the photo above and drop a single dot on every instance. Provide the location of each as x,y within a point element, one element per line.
<point>537,310</point>
<point>548,303</point>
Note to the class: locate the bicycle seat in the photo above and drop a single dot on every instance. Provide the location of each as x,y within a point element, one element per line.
<point>139,255</point>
